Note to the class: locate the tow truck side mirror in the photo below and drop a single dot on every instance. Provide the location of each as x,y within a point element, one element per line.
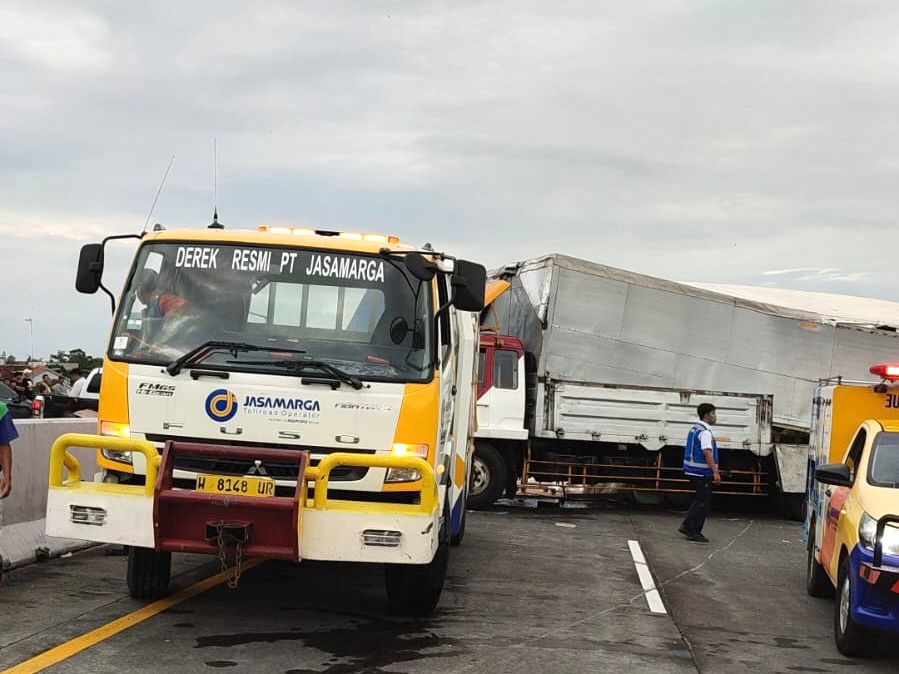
<point>469,280</point>
<point>90,268</point>
<point>836,474</point>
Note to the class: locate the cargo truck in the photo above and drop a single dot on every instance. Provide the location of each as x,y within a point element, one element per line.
<point>283,393</point>
<point>590,377</point>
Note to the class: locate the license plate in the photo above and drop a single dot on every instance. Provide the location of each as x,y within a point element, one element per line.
<point>258,487</point>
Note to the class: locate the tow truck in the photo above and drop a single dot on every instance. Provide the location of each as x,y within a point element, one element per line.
<point>853,506</point>
<point>280,393</point>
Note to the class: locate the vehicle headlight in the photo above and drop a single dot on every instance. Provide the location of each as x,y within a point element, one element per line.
<point>406,474</point>
<point>867,530</point>
<point>115,430</point>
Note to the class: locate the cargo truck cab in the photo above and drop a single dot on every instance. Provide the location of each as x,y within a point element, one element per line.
<point>501,433</point>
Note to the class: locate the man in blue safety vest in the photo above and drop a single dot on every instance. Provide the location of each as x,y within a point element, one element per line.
<point>701,469</point>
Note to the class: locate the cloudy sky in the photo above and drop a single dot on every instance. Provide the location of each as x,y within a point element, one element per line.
<point>717,141</point>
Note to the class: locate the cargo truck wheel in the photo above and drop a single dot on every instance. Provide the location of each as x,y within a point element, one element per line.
<point>851,638</point>
<point>817,584</point>
<point>414,589</point>
<point>488,477</point>
<point>148,572</point>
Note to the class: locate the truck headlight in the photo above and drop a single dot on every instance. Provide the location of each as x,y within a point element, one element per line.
<point>115,430</point>
<point>867,530</point>
<point>406,474</point>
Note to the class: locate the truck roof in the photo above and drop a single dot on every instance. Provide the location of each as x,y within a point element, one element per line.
<point>844,309</point>
<point>330,241</point>
<point>826,308</point>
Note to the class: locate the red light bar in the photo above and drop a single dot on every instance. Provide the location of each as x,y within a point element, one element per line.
<point>885,370</point>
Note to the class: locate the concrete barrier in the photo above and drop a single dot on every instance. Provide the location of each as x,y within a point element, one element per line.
<point>22,512</point>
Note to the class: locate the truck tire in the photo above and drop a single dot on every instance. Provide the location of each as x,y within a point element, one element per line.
<point>851,638</point>
<point>488,477</point>
<point>817,584</point>
<point>148,572</point>
<point>414,589</point>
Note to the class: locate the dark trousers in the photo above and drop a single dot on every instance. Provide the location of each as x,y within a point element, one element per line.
<point>699,508</point>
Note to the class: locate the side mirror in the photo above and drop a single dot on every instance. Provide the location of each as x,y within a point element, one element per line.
<point>420,267</point>
<point>90,268</point>
<point>469,281</point>
<point>836,474</point>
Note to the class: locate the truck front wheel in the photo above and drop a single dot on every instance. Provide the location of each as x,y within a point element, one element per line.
<point>488,477</point>
<point>148,572</point>
<point>414,589</point>
<point>851,638</point>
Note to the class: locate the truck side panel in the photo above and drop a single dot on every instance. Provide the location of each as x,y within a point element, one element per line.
<point>653,418</point>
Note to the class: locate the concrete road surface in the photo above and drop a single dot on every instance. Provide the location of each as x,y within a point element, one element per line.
<point>528,591</point>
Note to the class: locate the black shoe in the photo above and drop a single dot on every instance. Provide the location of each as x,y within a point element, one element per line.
<point>697,538</point>
<point>683,529</point>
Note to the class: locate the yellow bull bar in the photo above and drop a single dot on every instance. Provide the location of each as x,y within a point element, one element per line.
<point>61,460</point>
<point>320,475</point>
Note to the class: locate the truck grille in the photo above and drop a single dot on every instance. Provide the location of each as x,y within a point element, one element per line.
<point>241,466</point>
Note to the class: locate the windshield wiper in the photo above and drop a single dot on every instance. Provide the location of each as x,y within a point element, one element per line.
<point>301,365</point>
<point>198,353</point>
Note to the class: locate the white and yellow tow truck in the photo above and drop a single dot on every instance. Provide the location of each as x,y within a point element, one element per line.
<point>280,393</point>
<point>853,506</point>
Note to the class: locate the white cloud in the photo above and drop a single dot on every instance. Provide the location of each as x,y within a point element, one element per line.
<point>59,38</point>
<point>680,139</point>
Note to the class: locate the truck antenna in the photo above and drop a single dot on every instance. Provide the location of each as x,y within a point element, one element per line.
<point>215,224</point>
<point>158,192</point>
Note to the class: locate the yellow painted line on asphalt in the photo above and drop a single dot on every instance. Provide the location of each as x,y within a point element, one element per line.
<point>68,649</point>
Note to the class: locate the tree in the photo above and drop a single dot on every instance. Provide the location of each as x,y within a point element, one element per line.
<point>79,357</point>
<point>10,359</point>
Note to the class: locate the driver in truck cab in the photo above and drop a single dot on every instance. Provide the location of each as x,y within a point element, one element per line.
<point>158,304</point>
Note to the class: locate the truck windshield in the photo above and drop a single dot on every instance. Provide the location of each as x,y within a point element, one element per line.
<point>883,466</point>
<point>363,314</point>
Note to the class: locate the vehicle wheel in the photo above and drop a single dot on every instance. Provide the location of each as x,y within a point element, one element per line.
<point>148,572</point>
<point>414,589</point>
<point>817,584</point>
<point>488,477</point>
<point>851,638</point>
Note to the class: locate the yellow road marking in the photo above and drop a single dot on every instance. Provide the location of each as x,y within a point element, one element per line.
<point>68,649</point>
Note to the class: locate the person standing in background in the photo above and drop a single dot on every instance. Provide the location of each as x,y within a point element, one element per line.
<point>701,469</point>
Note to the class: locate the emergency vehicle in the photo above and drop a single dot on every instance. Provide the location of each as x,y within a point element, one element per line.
<point>853,507</point>
<point>283,393</point>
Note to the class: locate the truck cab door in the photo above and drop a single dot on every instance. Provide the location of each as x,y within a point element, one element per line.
<point>447,355</point>
<point>485,385</point>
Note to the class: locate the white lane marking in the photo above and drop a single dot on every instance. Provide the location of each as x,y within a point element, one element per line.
<point>566,525</point>
<point>656,605</point>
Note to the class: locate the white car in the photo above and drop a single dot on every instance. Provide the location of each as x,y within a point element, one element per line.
<point>92,384</point>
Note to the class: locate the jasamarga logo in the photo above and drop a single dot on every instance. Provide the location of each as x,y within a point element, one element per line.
<point>299,410</point>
